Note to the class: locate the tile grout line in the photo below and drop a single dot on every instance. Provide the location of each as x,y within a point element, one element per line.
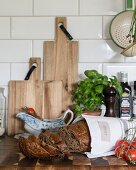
<point>45,16</point>
<point>84,39</point>
<point>102,28</point>
<point>33,8</point>
<point>78,7</point>
<point>10,28</point>
<point>10,71</point>
<point>32,50</point>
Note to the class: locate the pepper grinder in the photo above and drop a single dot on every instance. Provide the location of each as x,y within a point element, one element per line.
<point>110,95</point>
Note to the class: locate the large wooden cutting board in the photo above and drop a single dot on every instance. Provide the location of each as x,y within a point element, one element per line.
<point>44,97</point>
<point>61,61</point>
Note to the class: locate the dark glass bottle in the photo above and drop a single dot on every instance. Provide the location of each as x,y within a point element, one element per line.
<point>126,106</point>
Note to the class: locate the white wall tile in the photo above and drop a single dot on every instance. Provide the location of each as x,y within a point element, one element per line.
<point>20,70</point>
<point>130,59</point>
<point>53,7</point>
<point>38,48</point>
<point>33,28</point>
<point>114,68</point>
<point>106,26</point>
<point>4,73</point>
<point>16,7</point>
<point>4,28</point>
<point>99,51</point>
<point>101,7</point>
<point>15,50</point>
<point>85,27</point>
<point>88,66</point>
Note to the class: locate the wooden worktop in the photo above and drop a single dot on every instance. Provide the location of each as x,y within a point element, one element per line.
<point>12,159</point>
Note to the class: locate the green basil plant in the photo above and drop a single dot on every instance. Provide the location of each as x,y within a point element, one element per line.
<point>89,93</point>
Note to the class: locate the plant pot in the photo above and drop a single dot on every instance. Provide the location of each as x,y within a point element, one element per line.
<point>92,113</point>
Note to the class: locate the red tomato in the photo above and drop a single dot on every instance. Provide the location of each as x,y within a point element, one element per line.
<point>130,155</point>
<point>30,110</point>
<point>120,152</point>
<point>133,145</point>
<point>122,143</point>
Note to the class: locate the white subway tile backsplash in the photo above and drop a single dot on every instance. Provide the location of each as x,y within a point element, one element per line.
<point>16,7</point>
<point>19,71</point>
<point>15,50</point>
<point>101,7</point>
<point>26,24</point>
<point>85,27</point>
<point>4,73</point>
<point>53,7</point>
<point>4,28</point>
<point>99,51</point>
<point>88,66</point>
<point>33,28</point>
<point>114,68</point>
<point>106,26</point>
<point>130,59</point>
<point>38,48</point>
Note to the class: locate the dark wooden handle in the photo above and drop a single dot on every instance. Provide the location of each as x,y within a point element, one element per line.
<point>110,102</point>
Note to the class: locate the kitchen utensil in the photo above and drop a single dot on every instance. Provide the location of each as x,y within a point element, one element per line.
<point>110,96</point>
<point>120,26</point>
<point>36,126</point>
<point>130,51</point>
<point>44,97</point>
<point>61,61</point>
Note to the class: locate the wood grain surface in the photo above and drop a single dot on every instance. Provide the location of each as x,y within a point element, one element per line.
<point>44,97</point>
<point>12,159</point>
<point>61,61</point>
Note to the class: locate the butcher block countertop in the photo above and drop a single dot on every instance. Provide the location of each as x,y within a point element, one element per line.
<point>12,159</point>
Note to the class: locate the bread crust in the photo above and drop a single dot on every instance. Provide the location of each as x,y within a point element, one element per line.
<point>56,141</point>
<point>80,132</point>
<point>71,138</point>
<point>33,147</point>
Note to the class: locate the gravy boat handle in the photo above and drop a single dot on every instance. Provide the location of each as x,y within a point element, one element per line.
<point>71,116</point>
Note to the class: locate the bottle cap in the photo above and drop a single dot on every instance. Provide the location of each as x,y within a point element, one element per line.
<point>124,76</point>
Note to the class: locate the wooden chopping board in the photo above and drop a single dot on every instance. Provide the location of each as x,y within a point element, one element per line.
<point>45,97</point>
<point>61,61</point>
<point>12,159</point>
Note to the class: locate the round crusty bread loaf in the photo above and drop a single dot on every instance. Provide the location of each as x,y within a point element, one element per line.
<point>71,138</point>
<point>33,147</point>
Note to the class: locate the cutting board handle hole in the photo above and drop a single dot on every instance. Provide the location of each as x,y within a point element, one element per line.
<point>35,64</point>
<point>60,23</point>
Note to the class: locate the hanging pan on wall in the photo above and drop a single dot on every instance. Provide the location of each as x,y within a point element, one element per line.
<point>120,26</point>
